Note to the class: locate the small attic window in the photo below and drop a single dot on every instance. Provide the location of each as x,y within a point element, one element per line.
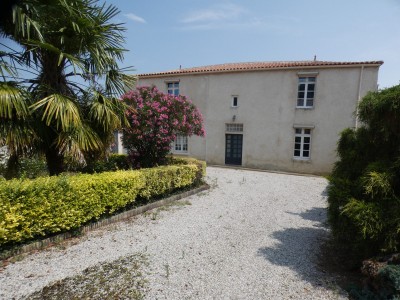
<point>235,101</point>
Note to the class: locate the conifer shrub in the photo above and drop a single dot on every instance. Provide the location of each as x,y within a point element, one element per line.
<point>364,190</point>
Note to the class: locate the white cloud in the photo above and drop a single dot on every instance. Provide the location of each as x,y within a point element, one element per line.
<point>231,16</point>
<point>135,18</point>
<point>218,13</point>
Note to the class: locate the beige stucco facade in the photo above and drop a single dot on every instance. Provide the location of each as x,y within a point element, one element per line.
<point>267,109</point>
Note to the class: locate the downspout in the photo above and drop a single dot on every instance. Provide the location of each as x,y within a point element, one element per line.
<point>359,94</point>
<point>206,113</point>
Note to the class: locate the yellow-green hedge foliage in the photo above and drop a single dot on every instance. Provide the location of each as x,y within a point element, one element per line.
<point>47,205</point>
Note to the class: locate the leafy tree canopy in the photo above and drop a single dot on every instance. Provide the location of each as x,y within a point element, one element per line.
<point>59,92</point>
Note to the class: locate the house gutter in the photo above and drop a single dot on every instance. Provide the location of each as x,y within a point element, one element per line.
<point>359,94</point>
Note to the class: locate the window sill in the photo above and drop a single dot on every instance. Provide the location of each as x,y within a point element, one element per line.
<point>301,160</point>
<point>180,153</point>
<point>305,108</point>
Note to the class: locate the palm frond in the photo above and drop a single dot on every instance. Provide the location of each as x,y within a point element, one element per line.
<point>24,25</point>
<point>13,101</point>
<point>108,112</point>
<point>74,61</point>
<point>6,68</point>
<point>17,135</point>
<point>118,83</point>
<point>78,141</point>
<point>61,110</point>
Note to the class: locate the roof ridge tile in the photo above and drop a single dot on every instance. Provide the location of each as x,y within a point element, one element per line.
<point>265,65</point>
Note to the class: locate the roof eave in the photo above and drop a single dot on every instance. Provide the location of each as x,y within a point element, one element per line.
<point>201,72</point>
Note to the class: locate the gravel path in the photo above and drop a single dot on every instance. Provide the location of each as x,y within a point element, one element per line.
<point>253,235</point>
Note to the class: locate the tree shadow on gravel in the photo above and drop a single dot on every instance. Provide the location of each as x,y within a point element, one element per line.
<point>310,252</point>
<point>316,214</point>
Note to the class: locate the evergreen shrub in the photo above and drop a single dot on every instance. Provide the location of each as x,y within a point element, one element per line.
<point>364,191</point>
<point>48,205</point>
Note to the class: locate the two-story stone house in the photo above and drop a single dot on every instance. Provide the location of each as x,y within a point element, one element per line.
<point>283,116</point>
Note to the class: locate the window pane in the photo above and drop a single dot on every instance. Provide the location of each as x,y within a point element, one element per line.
<point>170,85</point>
<point>297,139</point>
<point>296,152</point>
<point>302,87</point>
<point>235,101</point>
<point>297,146</point>
<point>176,84</point>
<point>300,102</point>
<point>306,153</point>
<point>302,79</point>
<point>306,147</point>
<point>300,95</point>
<point>307,131</point>
<point>176,92</point>
<point>311,79</point>
<point>307,139</point>
<point>310,95</point>
<point>311,87</point>
<point>310,102</point>
<point>298,130</point>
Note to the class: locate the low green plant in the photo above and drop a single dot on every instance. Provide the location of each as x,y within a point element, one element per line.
<point>48,205</point>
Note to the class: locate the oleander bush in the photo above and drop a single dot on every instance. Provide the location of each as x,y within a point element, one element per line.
<point>47,205</point>
<point>155,121</point>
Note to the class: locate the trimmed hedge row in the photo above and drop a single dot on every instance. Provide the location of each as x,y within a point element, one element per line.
<point>48,205</point>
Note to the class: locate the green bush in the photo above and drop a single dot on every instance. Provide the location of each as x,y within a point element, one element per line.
<point>29,167</point>
<point>180,160</point>
<point>389,282</point>
<point>47,205</point>
<point>174,177</point>
<point>364,191</point>
<point>113,162</point>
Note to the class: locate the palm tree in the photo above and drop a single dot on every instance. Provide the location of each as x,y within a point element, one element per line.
<point>69,48</point>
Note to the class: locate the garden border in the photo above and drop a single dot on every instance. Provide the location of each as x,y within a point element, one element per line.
<point>38,245</point>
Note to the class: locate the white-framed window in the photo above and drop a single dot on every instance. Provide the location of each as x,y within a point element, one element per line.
<point>180,144</point>
<point>302,143</point>
<point>235,101</point>
<point>173,88</point>
<point>234,127</point>
<point>306,92</point>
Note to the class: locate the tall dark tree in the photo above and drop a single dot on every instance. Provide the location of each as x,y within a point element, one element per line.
<point>59,92</point>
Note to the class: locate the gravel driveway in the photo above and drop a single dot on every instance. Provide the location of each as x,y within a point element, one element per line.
<point>253,235</point>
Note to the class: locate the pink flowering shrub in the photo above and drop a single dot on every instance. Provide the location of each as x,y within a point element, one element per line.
<point>156,118</point>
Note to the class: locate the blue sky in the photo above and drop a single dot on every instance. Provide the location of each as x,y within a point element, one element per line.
<point>162,35</point>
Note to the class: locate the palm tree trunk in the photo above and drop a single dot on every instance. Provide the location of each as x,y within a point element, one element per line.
<point>12,167</point>
<point>55,161</point>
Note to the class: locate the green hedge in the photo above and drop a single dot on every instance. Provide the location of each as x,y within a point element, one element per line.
<point>47,205</point>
